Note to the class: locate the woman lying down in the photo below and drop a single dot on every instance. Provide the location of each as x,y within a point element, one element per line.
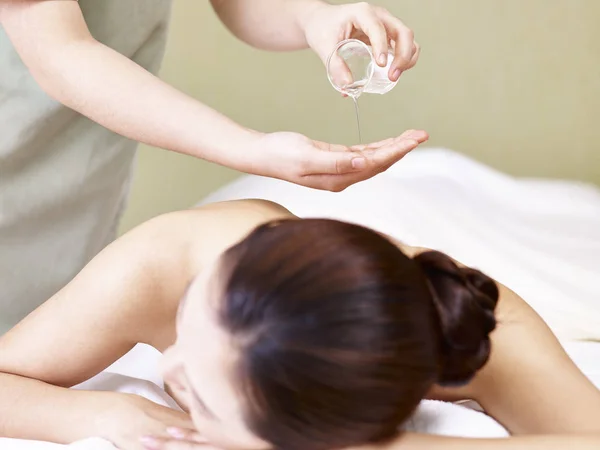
<point>294,334</point>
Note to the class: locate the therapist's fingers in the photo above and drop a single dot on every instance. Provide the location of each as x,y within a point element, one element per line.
<point>393,152</point>
<point>415,57</point>
<point>331,160</point>
<point>418,135</point>
<point>366,20</point>
<point>404,40</point>
<point>335,167</point>
<point>371,145</point>
<point>378,160</point>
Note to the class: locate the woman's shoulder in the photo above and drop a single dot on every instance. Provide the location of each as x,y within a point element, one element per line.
<point>214,227</point>
<point>251,211</point>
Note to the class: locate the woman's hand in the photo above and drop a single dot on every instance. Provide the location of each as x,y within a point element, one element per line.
<point>128,421</point>
<point>179,439</point>
<point>298,159</point>
<point>326,25</point>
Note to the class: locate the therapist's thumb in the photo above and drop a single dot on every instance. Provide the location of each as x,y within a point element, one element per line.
<point>335,163</point>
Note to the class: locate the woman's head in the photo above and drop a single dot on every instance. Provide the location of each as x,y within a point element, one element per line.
<point>317,334</point>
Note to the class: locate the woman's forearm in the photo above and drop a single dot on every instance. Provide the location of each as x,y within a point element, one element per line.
<point>112,90</point>
<point>31,409</point>
<point>267,24</point>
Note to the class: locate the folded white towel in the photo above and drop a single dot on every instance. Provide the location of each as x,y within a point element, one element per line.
<point>449,419</point>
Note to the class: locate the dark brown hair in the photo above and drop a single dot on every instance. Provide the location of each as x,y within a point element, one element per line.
<point>340,334</point>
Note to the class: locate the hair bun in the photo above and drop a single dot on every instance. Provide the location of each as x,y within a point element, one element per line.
<point>465,300</point>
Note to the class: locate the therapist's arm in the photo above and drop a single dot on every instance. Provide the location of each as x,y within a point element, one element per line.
<point>298,24</point>
<point>267,24</point>
<point>54,42</point>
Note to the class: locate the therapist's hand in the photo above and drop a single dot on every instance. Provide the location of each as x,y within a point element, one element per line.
<point>326,25</point>
<point>298,159</point>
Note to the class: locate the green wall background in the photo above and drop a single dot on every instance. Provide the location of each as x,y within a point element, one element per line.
<point>512,83</point>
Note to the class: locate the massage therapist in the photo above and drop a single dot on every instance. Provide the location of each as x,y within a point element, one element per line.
<point>78,91</point>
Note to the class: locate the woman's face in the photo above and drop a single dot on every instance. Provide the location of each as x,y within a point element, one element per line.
<point>199,366</point>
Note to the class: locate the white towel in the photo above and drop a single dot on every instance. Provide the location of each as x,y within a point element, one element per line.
<point>448,419</point>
